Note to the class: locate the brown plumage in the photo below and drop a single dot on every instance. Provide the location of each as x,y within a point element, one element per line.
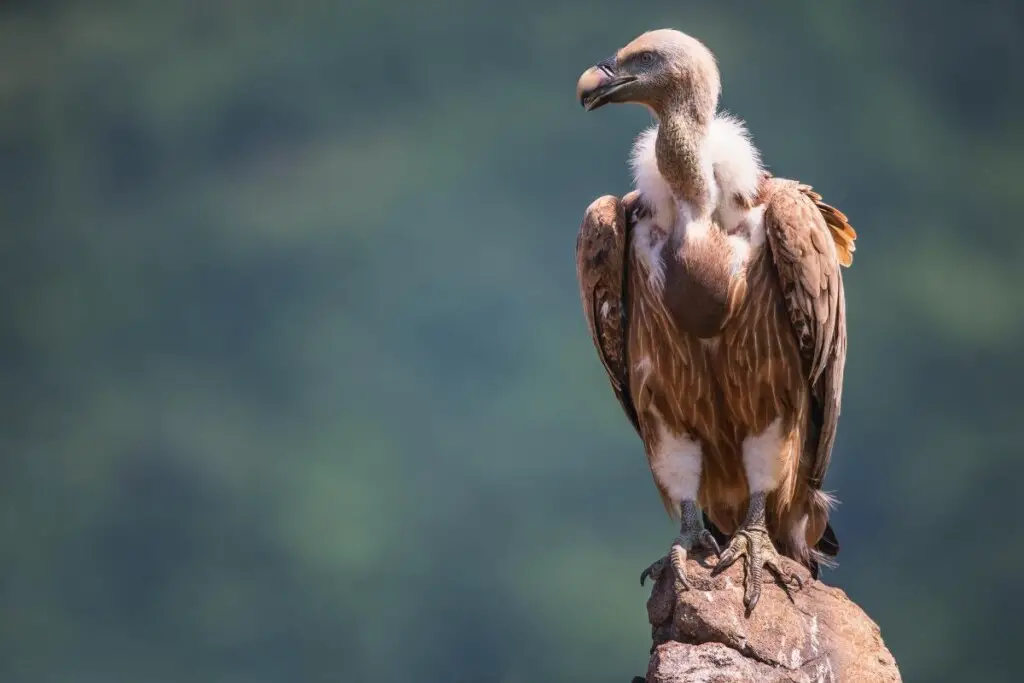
<point>723,337</point>
<point>814,298</point>
<point>601,271</point>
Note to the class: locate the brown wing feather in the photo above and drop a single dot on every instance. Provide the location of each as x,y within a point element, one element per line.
<point>839,227</point>
<point>601,251</point>
<point>810,241</point>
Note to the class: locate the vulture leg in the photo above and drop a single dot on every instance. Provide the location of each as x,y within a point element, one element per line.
<point>692,534</point>
<point>751,541</point>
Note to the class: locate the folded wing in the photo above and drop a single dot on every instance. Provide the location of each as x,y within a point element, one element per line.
<point>601,263</point>
<point>810,241</point>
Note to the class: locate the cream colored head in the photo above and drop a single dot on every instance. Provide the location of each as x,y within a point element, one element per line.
<point>666,70</point>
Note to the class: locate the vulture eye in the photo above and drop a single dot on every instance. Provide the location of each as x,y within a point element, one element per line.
<point>646,58</point>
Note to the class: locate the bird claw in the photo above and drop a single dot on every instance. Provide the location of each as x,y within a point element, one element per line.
<point>653,572</point>
<point>677,555</point>
<point>754,545</point>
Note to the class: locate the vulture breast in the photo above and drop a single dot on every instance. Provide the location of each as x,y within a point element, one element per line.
<point>698,279</point>
<point>701,264</point>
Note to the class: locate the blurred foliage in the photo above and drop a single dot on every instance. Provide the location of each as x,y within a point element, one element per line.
<point>296,381</point>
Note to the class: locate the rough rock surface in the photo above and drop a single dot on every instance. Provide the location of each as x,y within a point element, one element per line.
<point>818,635</point>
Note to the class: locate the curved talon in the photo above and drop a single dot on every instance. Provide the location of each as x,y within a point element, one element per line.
<point>736,549</point>
<point>678,560</point>
<point>751,602</point>
<point>786,578</point>
<point>653,572</point>
<point>707,540</point>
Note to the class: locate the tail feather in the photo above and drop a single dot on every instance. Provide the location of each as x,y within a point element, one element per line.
<point>829,543</point>
<point>823,554</point>
<point>826,548</point>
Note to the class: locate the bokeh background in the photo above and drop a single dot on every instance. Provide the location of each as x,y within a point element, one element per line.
<point>297,386</point>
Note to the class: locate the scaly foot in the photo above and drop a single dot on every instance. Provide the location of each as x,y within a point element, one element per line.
<point>691,535</point>
<point>751,541</point>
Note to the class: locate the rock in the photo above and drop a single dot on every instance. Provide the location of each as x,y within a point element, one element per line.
<point>815,635</point>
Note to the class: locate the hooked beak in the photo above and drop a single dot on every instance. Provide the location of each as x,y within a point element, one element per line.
<point>599,84</point>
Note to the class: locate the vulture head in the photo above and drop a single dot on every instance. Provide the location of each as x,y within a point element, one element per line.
<point>666,70</point>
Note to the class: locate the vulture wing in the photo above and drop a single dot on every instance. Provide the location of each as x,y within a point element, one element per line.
<point>810,241</point>
<point>601,262</point>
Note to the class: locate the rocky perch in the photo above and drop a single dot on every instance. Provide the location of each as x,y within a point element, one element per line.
<point>818,635</point>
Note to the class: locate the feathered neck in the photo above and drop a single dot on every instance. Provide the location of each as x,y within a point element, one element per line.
<point>726,164</point>
<point>679,149</point>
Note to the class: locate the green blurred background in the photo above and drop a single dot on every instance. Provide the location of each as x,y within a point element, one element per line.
<point>297,386</point>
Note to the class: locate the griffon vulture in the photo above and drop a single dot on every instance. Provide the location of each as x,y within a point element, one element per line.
<point>714,297</point>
